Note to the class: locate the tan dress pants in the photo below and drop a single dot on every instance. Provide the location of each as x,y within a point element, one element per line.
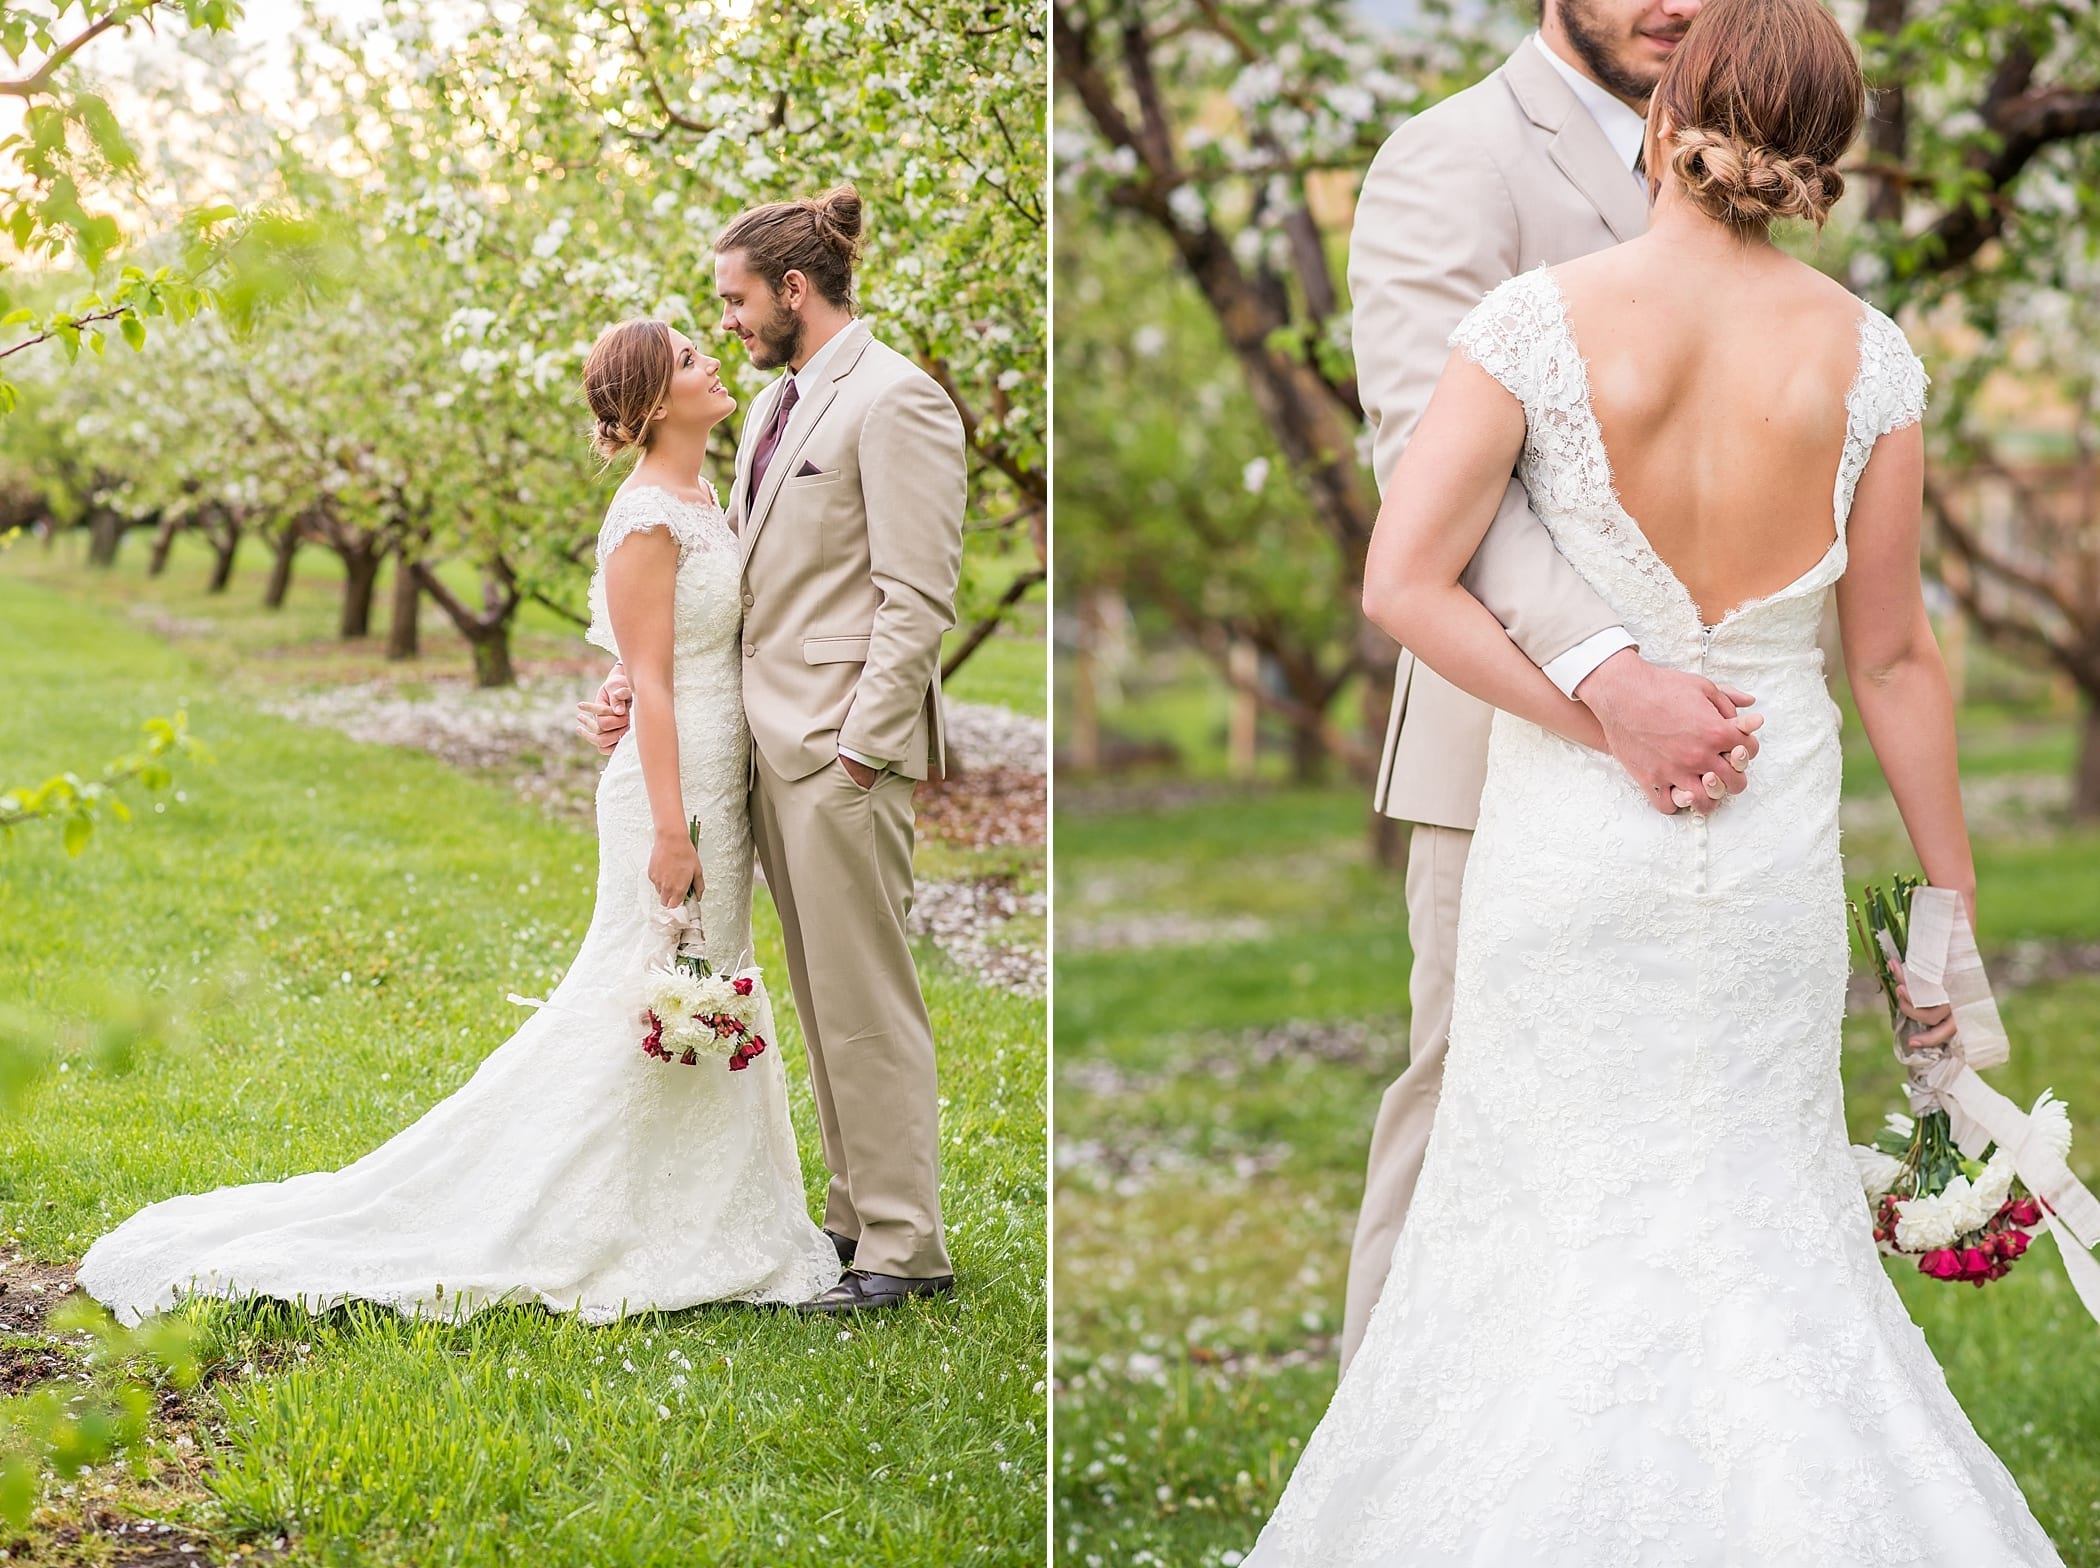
<point>1436,870</point>
<point>837,860</point>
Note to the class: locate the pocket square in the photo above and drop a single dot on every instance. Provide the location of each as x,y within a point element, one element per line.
<point>808,470</point>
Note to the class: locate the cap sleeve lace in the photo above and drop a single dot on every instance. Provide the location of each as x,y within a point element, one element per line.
<point>1505,332</point>
<point>1893,377</point>
<point>1887,393</point>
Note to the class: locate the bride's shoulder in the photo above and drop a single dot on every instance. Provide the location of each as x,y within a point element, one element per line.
<point>634,509</point>
<point>639,508</point>
<point>1889,387</point>
<point>1502,333</point>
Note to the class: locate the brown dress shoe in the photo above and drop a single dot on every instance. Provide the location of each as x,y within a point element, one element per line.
<point>862,1292</point>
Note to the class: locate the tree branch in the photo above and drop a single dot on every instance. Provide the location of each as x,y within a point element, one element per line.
<point>2026,127</point>
<point>992,620</point>
<point>38,82</point>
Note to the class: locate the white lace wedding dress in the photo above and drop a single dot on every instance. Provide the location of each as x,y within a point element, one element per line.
<point>1636,1316</point>
<point>570,1170</point>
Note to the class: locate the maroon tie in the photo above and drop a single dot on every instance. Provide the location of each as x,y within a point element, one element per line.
<point>767,443</point>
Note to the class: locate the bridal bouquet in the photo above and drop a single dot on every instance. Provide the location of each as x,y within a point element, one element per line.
<point>1963,1216</point>
<point>693,1010</point>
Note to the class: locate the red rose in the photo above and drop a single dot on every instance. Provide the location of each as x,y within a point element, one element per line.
<point>2015,1243</point>
<point>2026,1213</point>
<point>743,986</point>
<point>1974,1262</point>
<point>738,1063</point>
<point>691,1057</point>
<point>1940,1263</point>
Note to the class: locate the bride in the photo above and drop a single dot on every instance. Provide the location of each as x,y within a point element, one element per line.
<point>1636,1315</point>
<point>571,1170</point>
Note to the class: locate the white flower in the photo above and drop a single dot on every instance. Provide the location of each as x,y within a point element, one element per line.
<point>1877,1171</point>
<point>549,243</point>
<point>1189,208</point>
<point>1255,475</point>
<point>2049,1126</point>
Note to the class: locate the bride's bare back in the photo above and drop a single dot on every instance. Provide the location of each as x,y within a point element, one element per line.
<point>1718,382</point>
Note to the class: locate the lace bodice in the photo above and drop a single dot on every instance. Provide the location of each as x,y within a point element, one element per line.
<point>709,612</point>
<point>714,742</point>
<point>1519,334</point>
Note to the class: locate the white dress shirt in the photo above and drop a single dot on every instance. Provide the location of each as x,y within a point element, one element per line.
<point>1625,128</point>
<point>810,375</point>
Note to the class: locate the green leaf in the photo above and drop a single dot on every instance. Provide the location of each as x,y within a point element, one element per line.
<point>134,331</point>
<point>80,827</point>
<point>18,1490</point>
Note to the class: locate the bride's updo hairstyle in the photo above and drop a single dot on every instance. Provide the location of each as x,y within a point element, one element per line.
<point>625,380</point>
<point>817,236</point>
<point>1762,97</point>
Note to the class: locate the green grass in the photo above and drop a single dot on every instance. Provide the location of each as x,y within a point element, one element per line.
<point>329,930</point>
<point>1215,1089</point>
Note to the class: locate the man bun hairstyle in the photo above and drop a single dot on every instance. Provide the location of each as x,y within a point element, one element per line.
<point>626,378</point>
<point>817,236</point>
<point>1763,97</point>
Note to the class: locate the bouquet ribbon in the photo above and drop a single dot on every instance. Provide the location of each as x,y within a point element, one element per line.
<point>1943,968</point>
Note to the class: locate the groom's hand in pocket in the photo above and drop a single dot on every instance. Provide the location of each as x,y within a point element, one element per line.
<point>859,772</point>
<point>1684,740</point>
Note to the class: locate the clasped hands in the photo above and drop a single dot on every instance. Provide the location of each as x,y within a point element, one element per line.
<point>1685,740</point>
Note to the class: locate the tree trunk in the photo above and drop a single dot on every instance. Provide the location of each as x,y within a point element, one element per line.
<point>402,641</point>
<point>492,665</point>
<point>282,549</point>
<point>163,542</point>
<point>224,551</point>
<point>1888,126</point>
<point>2085,783</point>
<point>488,633</point>
<point>1243,725</point>
<point>105,533</point>
<point>1308,753</point>
<point>360,572</point>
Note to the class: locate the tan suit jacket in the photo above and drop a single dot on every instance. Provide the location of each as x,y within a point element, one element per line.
<point>851,552</point>
<point>1511,174</point>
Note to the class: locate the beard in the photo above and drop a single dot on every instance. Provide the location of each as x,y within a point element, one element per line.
<point>1589,38</point>
<point>777,340</point>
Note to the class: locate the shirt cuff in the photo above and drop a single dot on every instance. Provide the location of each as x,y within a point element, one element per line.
<point>871,762</point>
<point>1572,668</point>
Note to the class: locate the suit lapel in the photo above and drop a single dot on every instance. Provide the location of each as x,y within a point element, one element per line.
<point>809,412</point>
<point>755,424</point>
<point>1579,149</point>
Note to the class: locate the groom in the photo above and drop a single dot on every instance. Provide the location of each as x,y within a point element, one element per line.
<point>1536,165</point>
<point>848,503</point>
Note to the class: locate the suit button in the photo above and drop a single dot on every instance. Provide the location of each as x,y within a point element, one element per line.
<point>749,600</point>
<point>750,650</point>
